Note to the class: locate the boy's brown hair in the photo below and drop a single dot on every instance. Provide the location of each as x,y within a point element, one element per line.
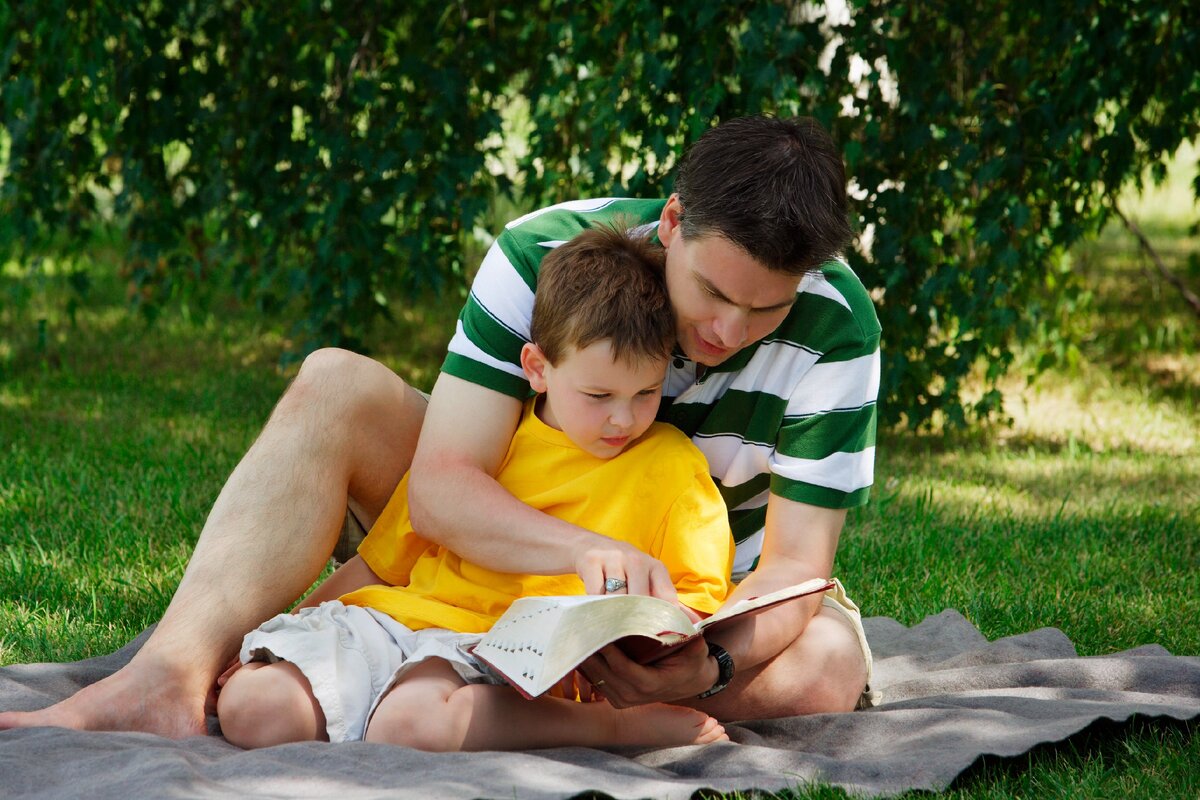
<point>606,283</point>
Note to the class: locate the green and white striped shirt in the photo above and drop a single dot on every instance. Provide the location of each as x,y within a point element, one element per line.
<point>793,414</point>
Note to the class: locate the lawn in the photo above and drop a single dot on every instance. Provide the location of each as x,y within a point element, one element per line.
<point>1082,512</point>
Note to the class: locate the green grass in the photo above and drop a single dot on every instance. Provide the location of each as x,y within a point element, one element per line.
<point>1082,514</point>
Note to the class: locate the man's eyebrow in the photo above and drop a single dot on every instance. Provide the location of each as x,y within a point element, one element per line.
<point>711,288</point>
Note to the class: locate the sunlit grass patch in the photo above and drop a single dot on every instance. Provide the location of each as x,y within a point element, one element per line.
<point>1168,209</point>
<point>1099,411</point>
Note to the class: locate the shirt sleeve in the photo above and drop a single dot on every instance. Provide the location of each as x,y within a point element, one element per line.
<point>696,544</point>
<point>493,326</point>
<point>825,451</point>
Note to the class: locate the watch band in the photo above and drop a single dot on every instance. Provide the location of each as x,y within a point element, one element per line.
<point>724,670</point>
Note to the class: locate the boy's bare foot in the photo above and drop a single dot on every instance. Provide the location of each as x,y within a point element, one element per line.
<point>662,725</point>
<point>139,697</point>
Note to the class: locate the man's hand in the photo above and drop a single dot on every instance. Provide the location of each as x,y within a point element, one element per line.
<point>624,683</point>
<point>608,558</point>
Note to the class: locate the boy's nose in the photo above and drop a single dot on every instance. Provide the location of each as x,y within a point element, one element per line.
<point>621,416</point>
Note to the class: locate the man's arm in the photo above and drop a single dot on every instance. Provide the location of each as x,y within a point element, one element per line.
<point>455,501</point>
<point>800,543</point>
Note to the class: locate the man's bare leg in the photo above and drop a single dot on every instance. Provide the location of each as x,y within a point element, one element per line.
<point>824,670</point>
<point>346,427</point>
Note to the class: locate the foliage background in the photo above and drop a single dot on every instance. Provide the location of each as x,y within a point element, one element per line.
<point>329,162</point>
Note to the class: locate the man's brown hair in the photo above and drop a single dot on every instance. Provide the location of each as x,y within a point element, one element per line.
<point>774,187</point>
<point>606,283</point>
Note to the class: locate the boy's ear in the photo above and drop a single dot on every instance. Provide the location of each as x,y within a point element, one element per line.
<point>533,362</point>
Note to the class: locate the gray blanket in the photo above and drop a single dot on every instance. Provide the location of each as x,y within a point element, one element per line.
<point>950,696</point>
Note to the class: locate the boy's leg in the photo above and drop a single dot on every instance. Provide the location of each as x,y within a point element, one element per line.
<point>263,705</point>
<point>346,427</point>
<point>432,708</point>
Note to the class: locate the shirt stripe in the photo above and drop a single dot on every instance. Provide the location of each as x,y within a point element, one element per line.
<point>838,386</point>
<point>793,415</point>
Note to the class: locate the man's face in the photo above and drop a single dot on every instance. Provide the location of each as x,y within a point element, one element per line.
<point>723,298</point>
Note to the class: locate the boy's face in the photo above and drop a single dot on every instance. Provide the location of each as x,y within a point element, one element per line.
<point>602,405</point>
<point>723,298</point>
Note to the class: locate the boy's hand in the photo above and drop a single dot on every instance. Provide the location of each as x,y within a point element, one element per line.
<point>575,686</point>
<point>610,559</point>
<point>210,700</point>
<point>624,683</point>
<point>233,666</point>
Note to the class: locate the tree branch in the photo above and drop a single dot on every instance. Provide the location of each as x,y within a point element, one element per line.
<point>1170,277</point>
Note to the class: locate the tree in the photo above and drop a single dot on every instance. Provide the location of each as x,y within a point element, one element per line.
<point>339,155</point>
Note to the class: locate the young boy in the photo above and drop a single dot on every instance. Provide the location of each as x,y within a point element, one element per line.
<point>390,660</point>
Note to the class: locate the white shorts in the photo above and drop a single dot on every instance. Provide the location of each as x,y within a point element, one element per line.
<point>352,656</point>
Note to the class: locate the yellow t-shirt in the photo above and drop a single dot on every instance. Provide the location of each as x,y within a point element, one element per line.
<point>657,495</point>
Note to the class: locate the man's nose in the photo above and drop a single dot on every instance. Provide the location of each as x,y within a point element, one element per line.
<point>731,328</point>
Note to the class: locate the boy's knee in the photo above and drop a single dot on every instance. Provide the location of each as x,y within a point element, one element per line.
<point>436,726</point>
<point>262,705</point>
<point>237,706</point>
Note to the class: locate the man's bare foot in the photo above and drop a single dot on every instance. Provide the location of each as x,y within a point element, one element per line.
<point>139,697</point>
<point>662,725</point>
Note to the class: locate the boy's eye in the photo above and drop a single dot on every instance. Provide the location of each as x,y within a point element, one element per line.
<point>597,396</point>
<point>647,392</point>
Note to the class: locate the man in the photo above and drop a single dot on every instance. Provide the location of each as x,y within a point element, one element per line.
<point>775,378</point>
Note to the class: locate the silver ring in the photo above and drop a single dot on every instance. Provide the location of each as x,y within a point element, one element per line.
<point>614,585</point>
<point>598,684</point>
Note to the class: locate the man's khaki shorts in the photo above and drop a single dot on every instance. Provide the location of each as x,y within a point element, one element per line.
<point>836,599</point>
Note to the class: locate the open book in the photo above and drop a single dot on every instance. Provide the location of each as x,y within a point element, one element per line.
<point>540,639</point>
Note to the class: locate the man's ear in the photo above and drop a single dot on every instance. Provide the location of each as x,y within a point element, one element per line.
<point>668,221</point>
<point>534,362</point>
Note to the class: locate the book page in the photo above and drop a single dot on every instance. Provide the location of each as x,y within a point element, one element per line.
<point>540,639</point>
